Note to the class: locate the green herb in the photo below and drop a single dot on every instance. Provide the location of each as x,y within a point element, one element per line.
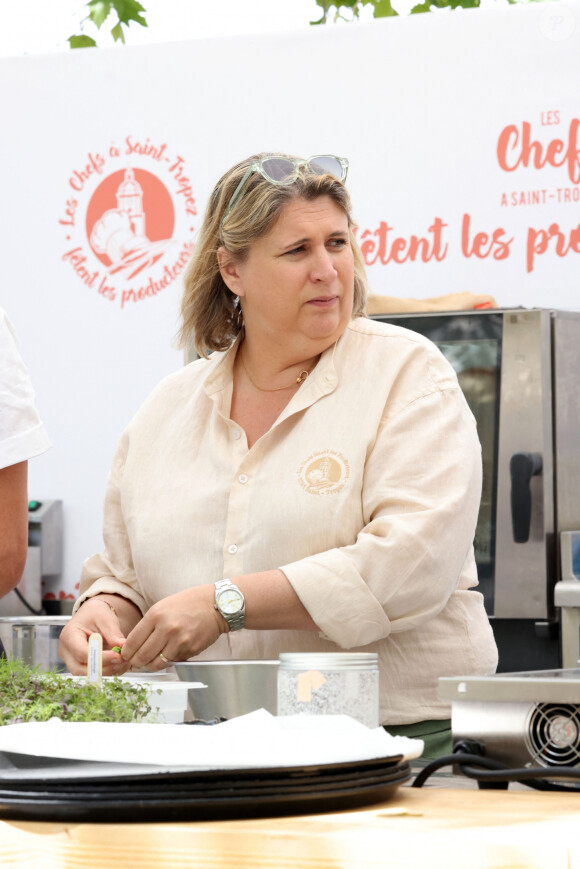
<point>29,695</point>
<point>116,649</point>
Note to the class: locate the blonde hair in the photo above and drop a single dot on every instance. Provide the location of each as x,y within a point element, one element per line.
<point>210,312</point>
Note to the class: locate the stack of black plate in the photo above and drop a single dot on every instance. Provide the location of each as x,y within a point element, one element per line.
<point>45,789</point>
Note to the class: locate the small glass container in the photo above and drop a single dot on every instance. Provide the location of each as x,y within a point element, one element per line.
<point>340,683</point>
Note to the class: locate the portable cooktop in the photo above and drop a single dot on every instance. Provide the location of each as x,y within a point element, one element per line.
<point>527,719</point>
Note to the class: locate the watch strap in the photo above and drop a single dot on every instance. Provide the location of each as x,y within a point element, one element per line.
<point>234,620</point>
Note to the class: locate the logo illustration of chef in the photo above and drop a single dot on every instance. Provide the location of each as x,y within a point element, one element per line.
<point>119,234</point>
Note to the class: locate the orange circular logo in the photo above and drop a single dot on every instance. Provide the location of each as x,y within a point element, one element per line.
<point>129,220</point>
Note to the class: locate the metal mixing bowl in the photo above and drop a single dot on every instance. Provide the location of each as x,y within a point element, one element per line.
<point>33,639</point>
<point>233,687</point>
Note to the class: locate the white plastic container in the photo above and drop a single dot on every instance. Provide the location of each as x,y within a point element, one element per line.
<point>330,684</point>
<point>169,696</point>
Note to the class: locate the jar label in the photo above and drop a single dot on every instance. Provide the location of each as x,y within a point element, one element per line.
<point>306,683</point>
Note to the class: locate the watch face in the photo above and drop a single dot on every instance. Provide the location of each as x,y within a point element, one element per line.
<point>230,601</point>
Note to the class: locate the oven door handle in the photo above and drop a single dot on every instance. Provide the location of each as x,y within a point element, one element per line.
<point>523,466</point>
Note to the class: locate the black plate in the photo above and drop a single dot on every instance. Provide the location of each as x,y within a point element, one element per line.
<point>42,789</point>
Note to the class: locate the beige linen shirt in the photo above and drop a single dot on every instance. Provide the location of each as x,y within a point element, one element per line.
<point>365,492</point>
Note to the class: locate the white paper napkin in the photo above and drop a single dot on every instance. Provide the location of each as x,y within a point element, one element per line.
<point>256,740</point>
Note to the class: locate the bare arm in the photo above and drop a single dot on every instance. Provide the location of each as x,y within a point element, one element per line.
<point>272,604</point>
<point>184,624</point>
<point>13,524</point>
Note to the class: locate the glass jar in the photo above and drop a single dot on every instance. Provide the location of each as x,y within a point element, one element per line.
<point>340,683</point>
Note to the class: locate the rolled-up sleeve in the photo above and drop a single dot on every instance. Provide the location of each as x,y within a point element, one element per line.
<point>421,494</point>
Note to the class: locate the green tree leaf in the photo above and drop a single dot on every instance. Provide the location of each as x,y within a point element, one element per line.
<point>352,5</point>
<point>453,4</point>
<point>98,11</point>
<point>129,10</point>
<point>81,41</point>
<point>117,33</point>
<point>383,9</point>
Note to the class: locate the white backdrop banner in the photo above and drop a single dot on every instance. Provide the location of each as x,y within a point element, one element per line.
<point>463,135</point>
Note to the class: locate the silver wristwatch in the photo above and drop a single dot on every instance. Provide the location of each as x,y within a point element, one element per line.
<point>230,602</point>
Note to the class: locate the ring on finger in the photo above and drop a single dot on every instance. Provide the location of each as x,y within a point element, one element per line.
<point>163,658</point>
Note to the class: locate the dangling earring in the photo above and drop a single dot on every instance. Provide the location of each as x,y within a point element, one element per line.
<point>238,315</point>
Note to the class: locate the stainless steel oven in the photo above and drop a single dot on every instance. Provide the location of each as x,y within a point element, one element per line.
<point>520,372</point>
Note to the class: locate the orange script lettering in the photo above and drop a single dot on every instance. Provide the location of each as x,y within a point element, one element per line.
<point>517,148</point>
<point>539,241</point>
<point>378,244</point>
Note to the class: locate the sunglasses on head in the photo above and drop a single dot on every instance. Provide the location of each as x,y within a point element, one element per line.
<point>285,170</point>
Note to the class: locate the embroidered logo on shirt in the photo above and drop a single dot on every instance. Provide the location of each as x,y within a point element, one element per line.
<point>324,473</point>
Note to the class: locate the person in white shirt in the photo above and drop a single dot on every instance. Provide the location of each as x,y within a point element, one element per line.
<point>22,436</point>
<point>311,483</point>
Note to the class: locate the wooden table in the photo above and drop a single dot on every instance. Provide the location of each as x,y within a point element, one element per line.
<point>430,828</point>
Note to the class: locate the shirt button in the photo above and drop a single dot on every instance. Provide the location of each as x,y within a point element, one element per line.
<point>236,435</point>
<point>232,549</point>
<point>243,478</point>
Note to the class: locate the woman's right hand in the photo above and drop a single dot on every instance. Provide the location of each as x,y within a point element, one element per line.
<point>95,616</point>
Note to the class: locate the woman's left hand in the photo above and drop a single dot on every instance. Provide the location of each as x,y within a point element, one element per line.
<point>177,628</point>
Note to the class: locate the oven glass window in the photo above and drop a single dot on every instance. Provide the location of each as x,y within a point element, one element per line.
<point>576,555</point>
<point>476,366</point>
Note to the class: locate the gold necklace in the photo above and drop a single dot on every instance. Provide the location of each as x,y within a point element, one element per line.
<point>300,379</point>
